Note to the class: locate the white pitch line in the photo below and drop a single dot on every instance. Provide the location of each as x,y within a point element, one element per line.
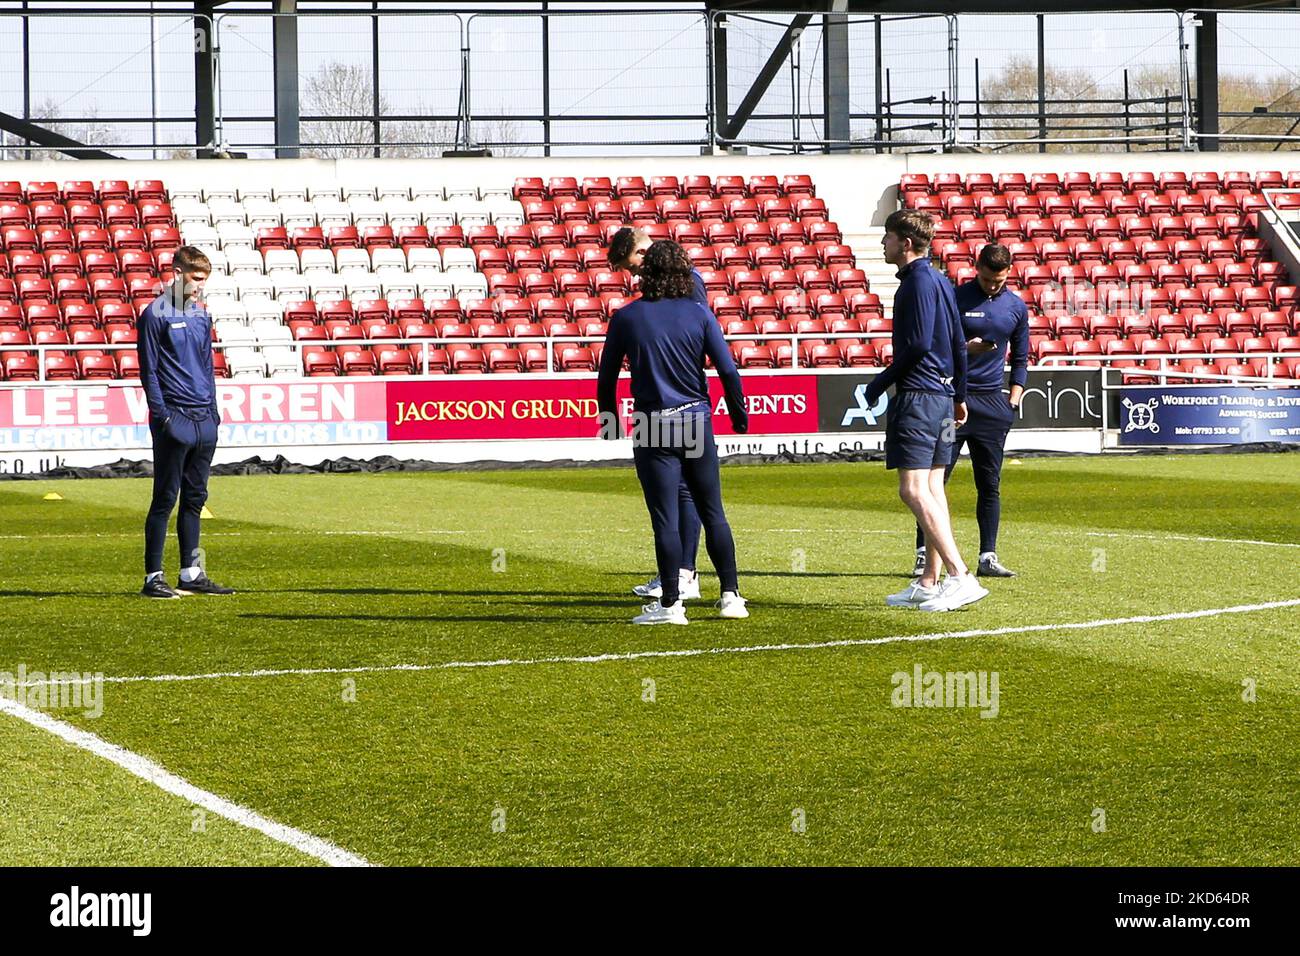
<point>1189,537</point>
<point>691,652</point>
<point>151,772</point>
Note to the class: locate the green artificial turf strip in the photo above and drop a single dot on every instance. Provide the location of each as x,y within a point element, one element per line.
<point>1144,721</point>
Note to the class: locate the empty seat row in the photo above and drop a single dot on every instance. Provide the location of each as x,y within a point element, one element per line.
<point>327,213</point>
<point>1058,183</point>
<point>524,324</point>
<point>1114,251</point>
<point>666,187</point>
<point>357,283</point>
<point>1095,227</point>
<point>101,312</point>
<point>84,238</point>
<point>1205,203</point>
<point>454,359</point>
<point>110,215</point>
<point>106,190</point>
<point>85,264</point>
<point>541,235</point>
<point>696,210</point>
<point>39,289</point>
<point>1153,300</point>
<point>23,367</point>
<point>358,191</point>
<point>307,261</point>
<point>74,334</point>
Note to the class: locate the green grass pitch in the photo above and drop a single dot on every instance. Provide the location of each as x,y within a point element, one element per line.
<point>776,756</point>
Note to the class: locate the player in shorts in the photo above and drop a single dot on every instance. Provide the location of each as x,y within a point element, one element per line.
<point>929,405</point>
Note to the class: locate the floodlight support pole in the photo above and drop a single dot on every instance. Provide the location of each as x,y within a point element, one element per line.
<point>717,56</point>
<point>209,125</point>
<point>284,43</point>
<point>835,76</point>
<point>1207,80</point>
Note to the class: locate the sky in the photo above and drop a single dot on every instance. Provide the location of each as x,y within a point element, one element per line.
<point>642,65</point>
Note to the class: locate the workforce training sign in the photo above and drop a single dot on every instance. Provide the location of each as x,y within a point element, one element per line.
<point>1200,415</point>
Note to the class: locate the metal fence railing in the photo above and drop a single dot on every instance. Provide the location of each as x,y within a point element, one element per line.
<point>120,82</point>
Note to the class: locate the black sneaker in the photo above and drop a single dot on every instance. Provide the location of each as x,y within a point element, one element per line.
<point>991,568</point>
<point>158,588</point>
<point>202,585</point>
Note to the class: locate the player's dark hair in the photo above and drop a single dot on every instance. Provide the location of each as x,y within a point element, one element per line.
<point>913,224</point>
<point>995,257</point>
<point>622,244</point>
<point>666,272</point>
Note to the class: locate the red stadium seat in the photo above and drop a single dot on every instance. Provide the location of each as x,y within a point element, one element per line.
<point>576,358</point>
<point>20,367</point>
<point>914,184</point>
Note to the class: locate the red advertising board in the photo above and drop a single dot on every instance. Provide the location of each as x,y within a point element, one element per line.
<point>462,408</point>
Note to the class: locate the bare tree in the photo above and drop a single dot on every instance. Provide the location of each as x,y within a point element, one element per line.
<point>1076,107</point>
<point>1243,93</point>
<point>345,90</point>
<point>1009,103</point>
<point>88,132</point>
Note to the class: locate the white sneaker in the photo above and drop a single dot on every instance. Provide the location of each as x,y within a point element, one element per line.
<point>732,605</point>
<point>918,566</point>
<point>956,592</point>
<point>912,596</point>
<point>688,586</point>
<point>656,613</point>
<point>652,588</point>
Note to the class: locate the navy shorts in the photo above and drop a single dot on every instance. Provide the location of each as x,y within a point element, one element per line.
<point>919,432</point>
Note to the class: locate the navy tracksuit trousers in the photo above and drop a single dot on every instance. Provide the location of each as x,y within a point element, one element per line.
<point>684,458</point>
<point>182,460</point>
<point>688,526</point>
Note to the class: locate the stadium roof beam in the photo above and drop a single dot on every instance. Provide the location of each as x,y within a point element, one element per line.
<point>47,137</point>
<point>765,76</point>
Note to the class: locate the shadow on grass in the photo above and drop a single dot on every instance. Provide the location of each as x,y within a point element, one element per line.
<point>434,618</point>
<point>822,574</point>
<point>51,594</point>
<point>433,592</point>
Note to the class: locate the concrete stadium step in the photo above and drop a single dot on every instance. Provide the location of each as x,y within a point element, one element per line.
<point>871,260</point>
